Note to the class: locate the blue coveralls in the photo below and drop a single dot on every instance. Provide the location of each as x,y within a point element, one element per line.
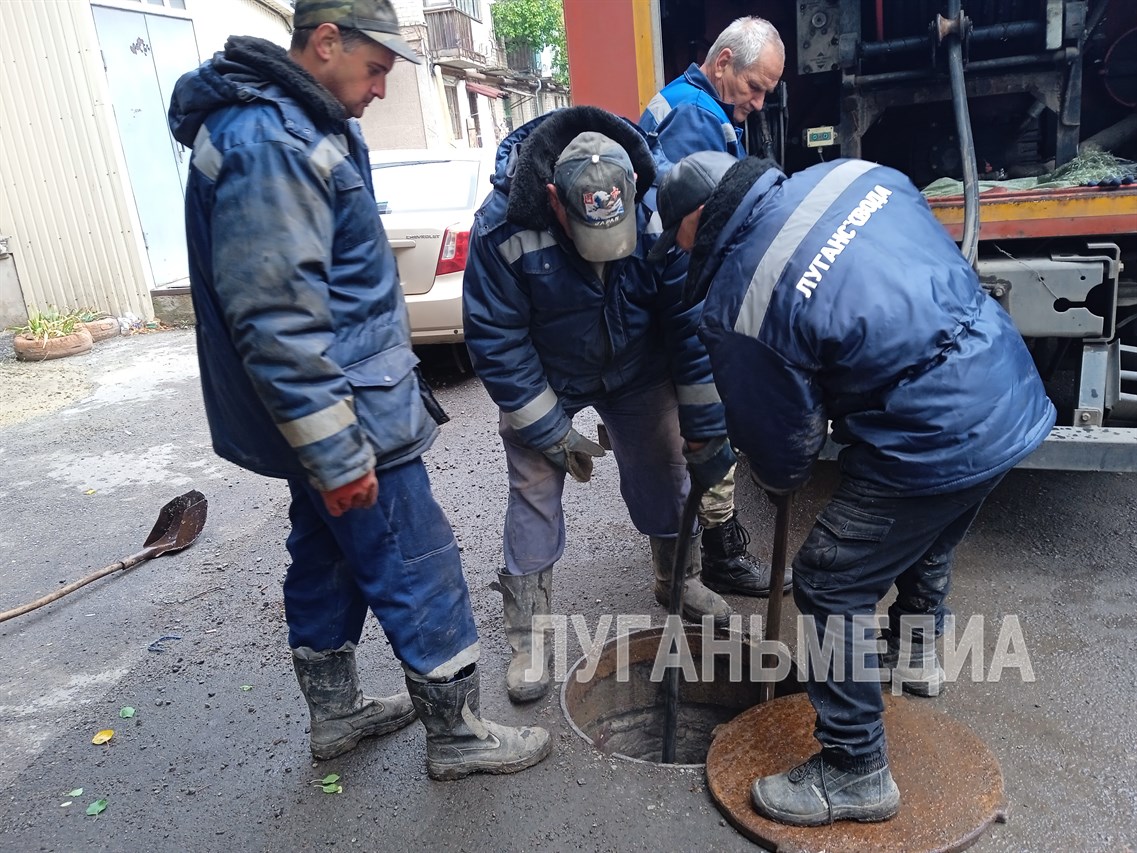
<point>550,335</point>
<point>835,295</point>
<point>306,364</point>
<point>686,116</point>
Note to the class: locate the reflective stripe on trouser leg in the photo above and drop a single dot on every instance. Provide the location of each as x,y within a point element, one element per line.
<point>643,427</point>
<point>717,504</point>
<point>402,560</point>
<point>534,536</point>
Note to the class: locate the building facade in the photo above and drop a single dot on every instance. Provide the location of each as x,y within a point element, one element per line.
<point>92,183</point>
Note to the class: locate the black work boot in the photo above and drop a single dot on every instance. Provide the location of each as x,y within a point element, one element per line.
<point>341,715</point>
<point>816,792</point>
<point>698,601</point>
<point>524,597</point>
<point>459,742</point>
<point>728,567</point>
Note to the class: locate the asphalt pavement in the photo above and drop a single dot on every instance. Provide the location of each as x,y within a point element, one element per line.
<point>215,755</point>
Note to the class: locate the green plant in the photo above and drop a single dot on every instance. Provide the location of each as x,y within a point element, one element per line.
<point>539,23</point>
<point>89,315</point>
<point>51,323</point>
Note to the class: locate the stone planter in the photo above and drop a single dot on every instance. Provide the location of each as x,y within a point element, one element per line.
<point>36,349</point>
<point>103,328</point>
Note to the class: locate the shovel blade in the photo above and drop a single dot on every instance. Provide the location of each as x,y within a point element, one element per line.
<point>178,525</point>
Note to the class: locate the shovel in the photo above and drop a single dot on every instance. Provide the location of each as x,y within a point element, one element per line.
<point>178,525</point>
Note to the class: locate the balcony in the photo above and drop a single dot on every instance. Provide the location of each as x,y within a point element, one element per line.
<point>451,38</point>
<point>523,59</point>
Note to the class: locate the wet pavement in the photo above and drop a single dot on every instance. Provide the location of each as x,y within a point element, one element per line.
<point>215,756</point>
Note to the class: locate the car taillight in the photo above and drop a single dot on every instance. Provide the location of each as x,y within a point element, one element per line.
<point>452,257</point>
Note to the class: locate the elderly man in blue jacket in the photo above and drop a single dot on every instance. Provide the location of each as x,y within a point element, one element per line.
<point>308,375</point>
<point>835,296</point>
<point>563,312</point>
<point>706,109</point>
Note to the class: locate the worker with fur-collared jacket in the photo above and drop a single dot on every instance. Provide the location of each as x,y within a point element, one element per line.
<point>834,295</point>
<point>563,311</point>
<point>308,375</point>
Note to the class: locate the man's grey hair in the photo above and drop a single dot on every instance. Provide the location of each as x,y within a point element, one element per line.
<point>746,37</point>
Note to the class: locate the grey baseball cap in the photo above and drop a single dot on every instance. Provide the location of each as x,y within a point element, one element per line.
<point>684,189</point>
<point>374,18</point>
<point>596,184</point>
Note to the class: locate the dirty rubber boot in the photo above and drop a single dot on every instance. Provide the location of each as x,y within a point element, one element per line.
<point>816,793</point>
<point>523,597</point>
<point>728,568</point>
<point>341,715</point>
<point>459,742</point>
<point>697,599</point>
<point>913,667</point>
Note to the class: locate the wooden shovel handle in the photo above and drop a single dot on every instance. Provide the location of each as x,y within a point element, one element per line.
<point>126,563</point>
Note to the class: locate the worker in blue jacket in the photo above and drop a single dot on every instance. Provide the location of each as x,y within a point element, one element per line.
<point>308,375</point>
<point>705,110</point>
<point>834,296</point>
<point>562,311</point>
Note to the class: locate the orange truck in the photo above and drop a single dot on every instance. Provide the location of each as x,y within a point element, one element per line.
<point>1023,102</point>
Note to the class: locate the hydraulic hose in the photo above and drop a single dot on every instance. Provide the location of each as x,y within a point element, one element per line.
<point>970,244</point>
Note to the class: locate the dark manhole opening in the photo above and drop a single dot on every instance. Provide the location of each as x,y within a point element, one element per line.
<point>619,708</point>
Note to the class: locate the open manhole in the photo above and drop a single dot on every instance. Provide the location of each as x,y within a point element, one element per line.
<point>619,708</point>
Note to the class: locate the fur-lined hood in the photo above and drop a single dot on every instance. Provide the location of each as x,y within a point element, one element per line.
<point>242,73</point>
<point>526,158</point>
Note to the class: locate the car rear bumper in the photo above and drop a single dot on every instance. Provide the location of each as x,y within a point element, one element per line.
<point>436,316</point>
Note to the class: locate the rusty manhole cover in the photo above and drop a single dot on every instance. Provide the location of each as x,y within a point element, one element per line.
<point>951,787</point>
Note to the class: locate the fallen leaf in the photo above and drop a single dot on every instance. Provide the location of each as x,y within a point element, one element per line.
<point>332,789</point>
<point>64,805</point>
<point>126,713</point>
<point>246,687</point>
<point>89,492</point>
<point>330,779</point>
<point>97,807</point>
<point>103,736</point>
<point>77,792</point>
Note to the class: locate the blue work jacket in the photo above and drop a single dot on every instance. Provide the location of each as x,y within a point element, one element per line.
<point>687,116</point>
<point>303,340</point>
<point>548,336</point>
<point>835,295</point>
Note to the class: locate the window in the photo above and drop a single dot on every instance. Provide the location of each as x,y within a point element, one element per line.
<point>469,8</point>
<point>455,113</point>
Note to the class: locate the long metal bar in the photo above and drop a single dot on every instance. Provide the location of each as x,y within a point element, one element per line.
<point>994,32</point>
<point>678,572</point>
<point>777,572</point>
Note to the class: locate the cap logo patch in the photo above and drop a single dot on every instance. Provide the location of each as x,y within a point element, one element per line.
<point>603,206</point>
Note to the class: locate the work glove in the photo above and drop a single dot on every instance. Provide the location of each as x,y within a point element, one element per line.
<point>710,463</point>
<point>574,454</point>
<point>358,494</point>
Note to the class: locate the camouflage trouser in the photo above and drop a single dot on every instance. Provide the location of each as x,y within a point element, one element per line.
<point>717,504</point>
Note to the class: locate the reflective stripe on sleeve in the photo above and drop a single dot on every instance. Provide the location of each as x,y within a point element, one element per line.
<point>206,157</point>
<point>789,240</point>
<point>532,411</point>
<point>318,425</point>
<point>659,107</point>
<point>524,242</point>
<point>702,394</point>
<point>328,153</point>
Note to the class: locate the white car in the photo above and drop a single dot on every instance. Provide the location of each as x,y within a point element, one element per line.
<point>427,199</point>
